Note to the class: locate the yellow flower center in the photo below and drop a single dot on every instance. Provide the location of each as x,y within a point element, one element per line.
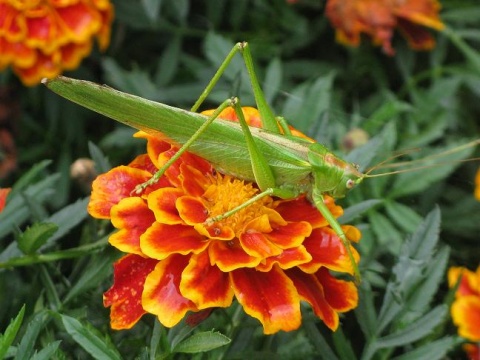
<point>227,193</point>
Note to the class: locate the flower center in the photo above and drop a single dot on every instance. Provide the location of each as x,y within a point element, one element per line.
<point>227,193</point>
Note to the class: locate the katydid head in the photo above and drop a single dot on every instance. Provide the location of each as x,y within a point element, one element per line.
<point>332,175</point>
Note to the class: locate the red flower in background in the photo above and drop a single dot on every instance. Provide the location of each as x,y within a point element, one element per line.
<point>270,256</point>
<point>379,18</point>
<point>41,38</point>
<point>3,197</point>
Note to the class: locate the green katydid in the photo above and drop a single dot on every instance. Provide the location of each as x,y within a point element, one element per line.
<point>280,164</point>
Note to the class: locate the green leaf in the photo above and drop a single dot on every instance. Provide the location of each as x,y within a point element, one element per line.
<point>357,210</point>
<point>169,62</point>
<point>216,48</point>
<point>365,312</point>
<point>102,164</point>
<point>403,216</point>
<point>151,8</point>
<point>385,232</point>
<point>200,342</point>
<point>273,79</point>
<point>431,351</point>
<point>35,236</point>
<point>88,340</point>
<point>343,346</point>
<point>47,352</point>
<point>415,330</point>
<point>6,339</point>
<point>25,349</point>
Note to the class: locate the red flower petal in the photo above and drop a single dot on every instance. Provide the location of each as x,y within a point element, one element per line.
<point>204,284</point>
<point>287,259</point>
<point>191,210</point>
<point>270,297</point>
<point>109,188</point>
<point>341,295</point>
<point>311,290</point>
<point>125,295</point>
<point>466,315</point>
<point>133,218</point>
<point>194,182</point>
<point>79,20</point>
<point>327,250</point>
<point>229,255</point>
<point>161,294</point>
<point>160,241</point>
<point>3,197</point>
<point>163,204</point>
<point>291,235</point>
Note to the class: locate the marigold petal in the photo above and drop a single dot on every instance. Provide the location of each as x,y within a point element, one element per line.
<point>270,297</point>
<point>291,235</point>
<point>133,217</point>
<point>191,210</point>
<point>341,295</point>
<point>466,315</point>
<point>79,20</point>
<point>469,283</point>
<point>418,38</point>
<point>109,188</point>
<point>204,284</point>
<point>161,240</point>
<point>193,181</point>
<point>3,197</point>
<point>327,250</point>
<point>300,209</point>
<point>287,259</point>
<point>125,295</point>
<point>163,204</point>
<point>311,290</point>
<point>161,294</point>
<point>229,255</point>
<point>255,242</point>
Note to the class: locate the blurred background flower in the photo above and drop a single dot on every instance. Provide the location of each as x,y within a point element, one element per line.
<point>379,18</point>
<point>42,38</point>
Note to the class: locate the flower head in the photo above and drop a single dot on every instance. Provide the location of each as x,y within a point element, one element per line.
<point>269,256</point>
<point>3,197</point>
<point>466,306</point>
<point>41,38</point>
<point>379,18</point>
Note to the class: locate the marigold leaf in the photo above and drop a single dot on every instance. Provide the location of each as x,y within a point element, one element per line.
<point>403,216</point>
<point>87,339</point>
<point>35,236</point>
<point>433,350</point>
<point>47,352</point>
<point>25,349</point>
<point>200,342</point>
<point>102,164</point>
<point>415,330</point>
<point>6,339</point>
<point>354,211</point>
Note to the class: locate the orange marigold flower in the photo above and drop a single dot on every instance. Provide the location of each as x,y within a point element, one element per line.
<point>269,256</point>
<point>3,197</point>
<point>466,306</point>
<point>41,38</point>
<point>477,185</point>
<point>379,18</point>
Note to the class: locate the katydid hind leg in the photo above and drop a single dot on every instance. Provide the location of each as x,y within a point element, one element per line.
<point>318,199</point>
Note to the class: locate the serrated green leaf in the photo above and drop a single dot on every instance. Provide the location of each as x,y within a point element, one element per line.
<point>168,64</point>
<point>385,232</point>
<point>343,346</point>
<point>35,236</point>
<point>151,8</point>
<point>85,337</point>
<point>403,216</point>
<point>273,79</point>
<point>354,211</point>
<point>216,49</point>
<point>365,312</point>
<point>47,352</point>
<point>102,164</point>
<point>200,342</point>
<point>431,351</point>
<point>6,339</point>
<point>26,349</point>
<point>414,331</point>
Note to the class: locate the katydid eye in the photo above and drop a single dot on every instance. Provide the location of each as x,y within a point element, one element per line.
<point>350,183</point>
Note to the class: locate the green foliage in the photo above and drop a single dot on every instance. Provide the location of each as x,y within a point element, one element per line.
<point>55,261</point>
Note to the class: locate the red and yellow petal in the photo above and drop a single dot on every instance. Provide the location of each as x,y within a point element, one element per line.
<point>341,295</point>
<point>133,217</point>
<point>205,285</point>
<point>161,294</point>
<point>270,297</point>
<point>466,315</point>
<point>469,283</point>
<point>229,256</point>
<point>191,210</point>
<point>3,197</point>
<point>163,204</point>
<point>289,258</point>
<point>109,188</point>
<point>161,240</point>
<point>327,250</point>
<point>125,296</point>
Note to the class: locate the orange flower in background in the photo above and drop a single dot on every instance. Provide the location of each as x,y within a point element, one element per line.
<point>42,38</point>
<point>477,185</point>
<point>270,256</point>
<point>3,197</point>
<point>466,306</point>
<point>379,18</point>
